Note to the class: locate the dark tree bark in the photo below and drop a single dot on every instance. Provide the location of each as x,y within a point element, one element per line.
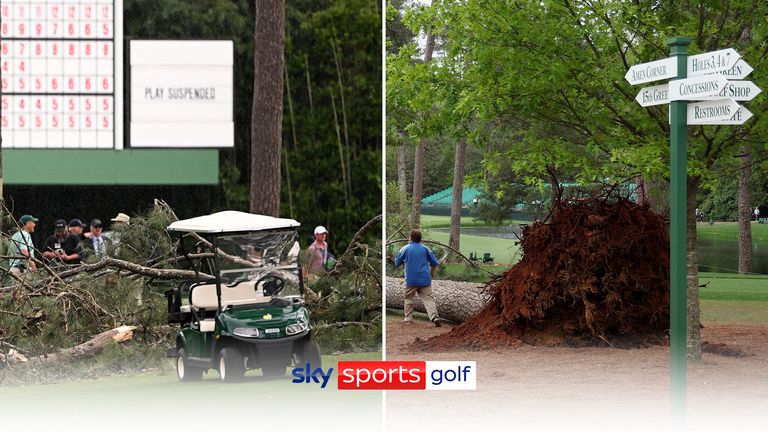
<point>458,191</point>
<point>402,180</point>
<point>418,162</point>
<point>267,115</point>
<point>745,212</point>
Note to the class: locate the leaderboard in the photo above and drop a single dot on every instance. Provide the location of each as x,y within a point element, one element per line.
<point>61,72</point>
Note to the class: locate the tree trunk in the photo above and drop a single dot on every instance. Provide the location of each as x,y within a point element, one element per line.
<point>91,347</point>
<point>745,212</point>
<point>418,179</point>
<point>418,162</point>
<point>402,181</point>
<point>456,301</point>
<point>458,191</point>
<point>267,115</point>
<point>694,311</point>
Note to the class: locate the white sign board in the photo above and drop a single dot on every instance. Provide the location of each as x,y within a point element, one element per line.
<point>711,112</point>
<point>61,72</point>
<point>739,71</point>
<point>654,95</point>
<point>738,91</point>
<point>652,71</point>
<point>741,116</point>
<point>713,61</point>
<point>182,94</point>
<point>697,88</point>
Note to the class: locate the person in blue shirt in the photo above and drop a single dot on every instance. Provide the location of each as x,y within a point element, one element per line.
<point>420,264</point>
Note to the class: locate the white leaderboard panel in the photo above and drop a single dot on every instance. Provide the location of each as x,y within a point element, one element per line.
<point>61,64</point>
<point>181,93</point>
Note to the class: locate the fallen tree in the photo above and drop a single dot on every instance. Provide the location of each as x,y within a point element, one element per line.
<point>89,348</point>
<point>49,316</point>
<point>596,270</point>
<point>456,301</point>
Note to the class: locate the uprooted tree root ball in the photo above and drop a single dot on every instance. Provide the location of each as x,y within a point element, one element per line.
<point>596,273</point>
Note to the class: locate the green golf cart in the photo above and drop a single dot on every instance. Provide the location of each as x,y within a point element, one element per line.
<point>252,315</point>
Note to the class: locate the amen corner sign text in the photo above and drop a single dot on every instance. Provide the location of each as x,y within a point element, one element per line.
<point>652,71</point>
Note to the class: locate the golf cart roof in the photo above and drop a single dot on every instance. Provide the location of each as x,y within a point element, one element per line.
<point>231,221</point>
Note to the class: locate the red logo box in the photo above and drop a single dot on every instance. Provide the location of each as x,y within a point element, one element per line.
<point>382,375</point>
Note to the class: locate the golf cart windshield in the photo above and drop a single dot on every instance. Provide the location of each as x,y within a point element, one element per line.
<point>267,260</point>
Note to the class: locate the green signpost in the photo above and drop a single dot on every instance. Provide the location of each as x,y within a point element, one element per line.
<point>678,161</point>
<point>718,107</point>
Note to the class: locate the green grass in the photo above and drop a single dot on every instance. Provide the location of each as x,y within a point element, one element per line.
<point>504,251</point>
<point>734,312</point>
<point>434,221</point>
<point>730,230</point>
<point>166,384</point>
<point>733,287</point>
<point>157,401</point>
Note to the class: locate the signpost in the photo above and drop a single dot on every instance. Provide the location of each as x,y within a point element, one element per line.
<point>697,87</point>
<point>739,71</point>
<point>739,91</point>
<point>713,102</point>
<point>711,112</point>
<point>713,61</point>
<point>655,95</point>
<point>652,71</point>
<point>741,116</point>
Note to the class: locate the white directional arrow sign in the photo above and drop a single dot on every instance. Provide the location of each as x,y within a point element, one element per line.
<point>652,71</point>
<point>739,71</point>
<point>697,88</point>
<point>654,95</point>
<point>738,91</point>
<point>741,116</point>
<point>711,112</point>
<point>713,61</point>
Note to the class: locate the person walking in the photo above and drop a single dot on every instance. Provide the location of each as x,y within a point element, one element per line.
<point>21,245</point>
<point>420,265</point>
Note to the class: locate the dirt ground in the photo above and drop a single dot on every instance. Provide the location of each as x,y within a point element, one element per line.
<point>587,388</point>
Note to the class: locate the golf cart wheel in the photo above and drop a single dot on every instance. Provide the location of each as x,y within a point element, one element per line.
<point>309,352</point>
<point>184,371</point>
<point>231,365</point>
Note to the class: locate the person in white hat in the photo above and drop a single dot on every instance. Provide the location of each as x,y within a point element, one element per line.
<point>122,218</point>
<point>317,255</point>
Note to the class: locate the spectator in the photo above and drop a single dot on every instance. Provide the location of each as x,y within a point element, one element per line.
<point>62,245</point>
<point>122,218</point>
<point>21,244</point>
<point>420,264</point>
<point>317,255</point>
<point>114,235</point>
<point>96,242</point>
<point>76,228</point>
<point>757,213</point>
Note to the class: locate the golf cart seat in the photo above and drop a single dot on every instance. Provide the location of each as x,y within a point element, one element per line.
<point>204,296</point>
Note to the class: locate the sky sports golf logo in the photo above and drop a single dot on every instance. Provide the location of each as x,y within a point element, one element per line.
<point>393,375</point>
